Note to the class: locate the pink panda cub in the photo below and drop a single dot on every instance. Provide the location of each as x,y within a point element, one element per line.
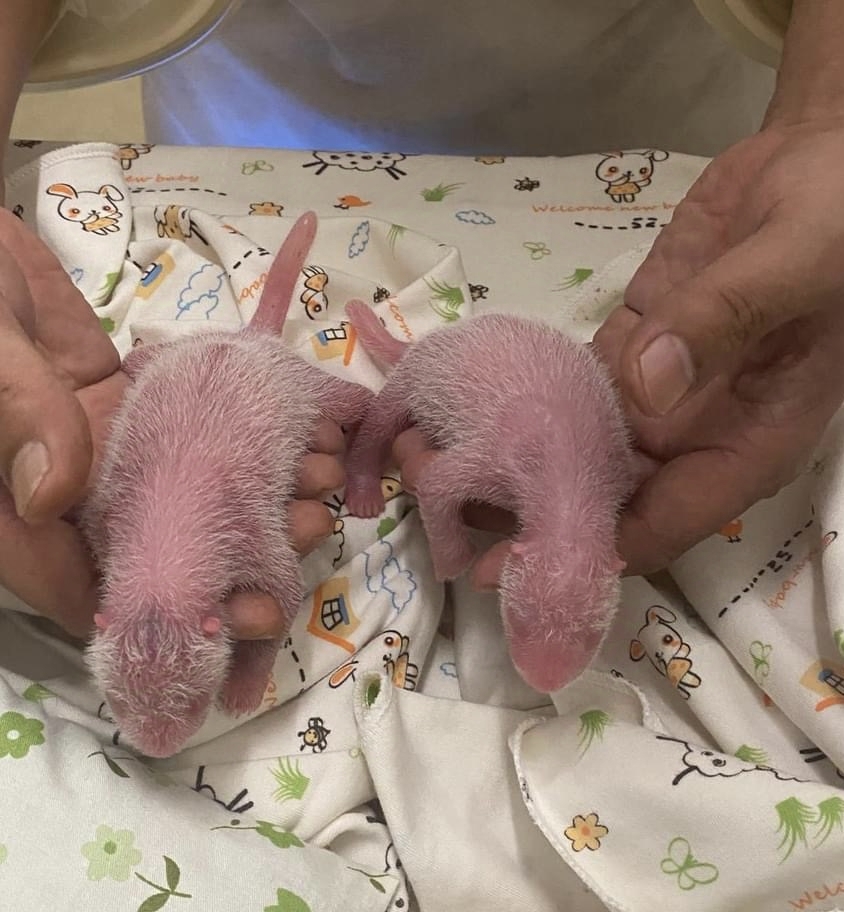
<point>527,420</point>
<point>191,504</point>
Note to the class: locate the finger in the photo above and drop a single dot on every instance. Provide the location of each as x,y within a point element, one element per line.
<point>412,455</point>
<point>255,617</point>
<point>318,475</point>
<point>310,523</point>
<point>45,445</point>
<point>408,444</point>
<point>45,442</point>
<point>67,327</point>
<point>612,335</point>
<point>486,571</point>
<point>687,500</point>
<point>48,567</point>
<point>687,245</point>
<point>704,325</point>
<point>15,293</point>
<point>99,403</point>
<point>328,438</point>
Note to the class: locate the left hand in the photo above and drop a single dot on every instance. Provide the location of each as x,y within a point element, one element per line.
<point>748,281</point>
<point>43,559</point>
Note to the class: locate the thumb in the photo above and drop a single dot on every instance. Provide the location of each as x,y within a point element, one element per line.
<point>45,442</point>
<point>704,326</point>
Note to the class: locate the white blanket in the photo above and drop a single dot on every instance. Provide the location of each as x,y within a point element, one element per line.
<point>398,761</point>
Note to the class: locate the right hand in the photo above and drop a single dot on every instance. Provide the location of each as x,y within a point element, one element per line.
<point>60,382</point>
<point>748,280</point>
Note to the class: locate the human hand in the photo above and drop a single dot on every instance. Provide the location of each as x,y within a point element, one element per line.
<point>59,385</point>
<point>748,280</point>
<point>729,349</point>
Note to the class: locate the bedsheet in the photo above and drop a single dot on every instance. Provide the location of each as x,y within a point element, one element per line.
<point>398,762</point>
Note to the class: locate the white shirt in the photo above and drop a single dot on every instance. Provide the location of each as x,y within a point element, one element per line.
<point>468,76</point>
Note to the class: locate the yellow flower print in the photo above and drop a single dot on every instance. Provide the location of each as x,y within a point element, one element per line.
<point>586,833</point>
<point>266,208</point>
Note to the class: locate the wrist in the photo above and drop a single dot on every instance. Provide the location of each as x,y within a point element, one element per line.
<point>810,80</point>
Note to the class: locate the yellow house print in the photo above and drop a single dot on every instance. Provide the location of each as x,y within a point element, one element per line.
<point>335,342</point>
<point>332,616</point>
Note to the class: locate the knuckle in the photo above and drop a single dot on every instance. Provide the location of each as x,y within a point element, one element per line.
<point>747,318</point>
<point>8,393</point>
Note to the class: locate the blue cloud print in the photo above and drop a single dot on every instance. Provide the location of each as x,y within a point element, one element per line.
<point>383,572</point>
<point>202,289</point>
<point>359,240</point>
<point>474,217</point>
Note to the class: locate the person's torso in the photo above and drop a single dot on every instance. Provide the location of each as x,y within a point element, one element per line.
<point>472,76</point>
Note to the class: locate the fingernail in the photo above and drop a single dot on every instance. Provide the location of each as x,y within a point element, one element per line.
<point>30,465</point>
<point>667,371</point>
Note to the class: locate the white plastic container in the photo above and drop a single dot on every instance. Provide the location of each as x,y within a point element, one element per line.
<point>756,27</point>
<point>84,51</point>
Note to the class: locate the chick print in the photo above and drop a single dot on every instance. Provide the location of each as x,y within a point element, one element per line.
<point>130,152</point>
<point>391,487</point>
<point>314,297</point>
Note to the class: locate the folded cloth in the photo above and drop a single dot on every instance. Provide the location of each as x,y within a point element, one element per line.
<point>697,765</point>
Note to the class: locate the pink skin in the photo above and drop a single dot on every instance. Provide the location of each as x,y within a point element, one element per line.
<point>191,505</point>
<point>529,421</point>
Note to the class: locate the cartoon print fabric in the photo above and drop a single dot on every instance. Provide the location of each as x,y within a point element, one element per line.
<point>398,761</point>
